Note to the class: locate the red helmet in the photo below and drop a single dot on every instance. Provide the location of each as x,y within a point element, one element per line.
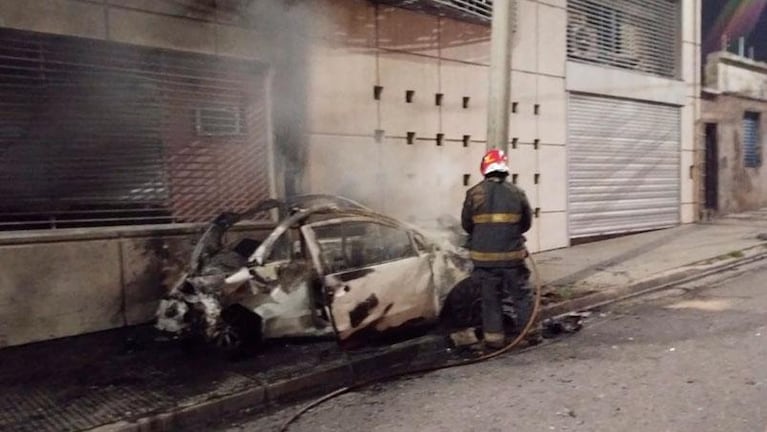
<point>494,160</point>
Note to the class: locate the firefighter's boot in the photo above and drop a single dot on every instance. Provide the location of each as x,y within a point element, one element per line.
<point>494,340</point>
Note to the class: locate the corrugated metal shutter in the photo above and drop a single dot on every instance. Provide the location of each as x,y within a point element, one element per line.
<point>752,154</point>
<point>96,133</point>
<point>630,34</point>
<point>624,172</point>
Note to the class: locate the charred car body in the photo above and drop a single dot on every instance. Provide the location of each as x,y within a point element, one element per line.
<point>331,267</point>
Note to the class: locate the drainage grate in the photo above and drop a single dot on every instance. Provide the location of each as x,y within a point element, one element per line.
<point>81,383</point>
<point>64,407</point>
<point>56,409</point>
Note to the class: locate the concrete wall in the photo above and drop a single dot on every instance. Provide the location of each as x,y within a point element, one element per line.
<point>358,145</point>
<point>730,73</point>
<point>739,188</point>
<point>149,23</point>
<point>62,283</point>
<point>734,86</point>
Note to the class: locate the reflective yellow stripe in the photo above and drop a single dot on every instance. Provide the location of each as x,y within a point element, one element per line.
<point>497,218</point>
<point>498,256</point>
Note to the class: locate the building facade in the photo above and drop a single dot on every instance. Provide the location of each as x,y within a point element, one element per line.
<point>732,128</point>
<point>127,122</point>
<point>602,119</point>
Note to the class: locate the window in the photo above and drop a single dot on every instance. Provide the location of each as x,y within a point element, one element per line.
<point>218,121</point>
<point>639,35</point>
<point>354,245</point>
<point>752,149</point>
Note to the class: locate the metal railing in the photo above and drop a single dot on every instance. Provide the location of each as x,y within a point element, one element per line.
<point>479,11</point>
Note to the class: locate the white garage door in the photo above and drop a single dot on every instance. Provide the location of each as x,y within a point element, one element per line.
<point>624,172</point>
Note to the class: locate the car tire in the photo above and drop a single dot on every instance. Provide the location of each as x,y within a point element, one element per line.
<point>228,340</point>
<point>463,306</point>
<point>241,333</point>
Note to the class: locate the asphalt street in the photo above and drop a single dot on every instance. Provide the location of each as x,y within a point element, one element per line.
<point>692,359</point>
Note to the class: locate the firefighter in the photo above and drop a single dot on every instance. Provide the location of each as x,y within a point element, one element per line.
<point>496,214</point>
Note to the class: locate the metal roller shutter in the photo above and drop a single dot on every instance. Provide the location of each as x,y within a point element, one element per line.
<point>96,133</point>
<point>624,172</point>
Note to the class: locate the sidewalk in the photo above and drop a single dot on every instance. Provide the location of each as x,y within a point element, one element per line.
<point>122,380</point>
<point>623,261</point>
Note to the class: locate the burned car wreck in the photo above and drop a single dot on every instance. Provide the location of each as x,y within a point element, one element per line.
<point>331,267</point>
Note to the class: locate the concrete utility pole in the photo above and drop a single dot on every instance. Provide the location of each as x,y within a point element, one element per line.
<point>500,76</point>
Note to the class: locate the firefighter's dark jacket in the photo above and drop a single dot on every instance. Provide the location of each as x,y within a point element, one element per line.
<point>495,214</point>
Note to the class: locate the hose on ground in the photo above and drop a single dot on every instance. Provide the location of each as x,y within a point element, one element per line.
<point>528,326</point>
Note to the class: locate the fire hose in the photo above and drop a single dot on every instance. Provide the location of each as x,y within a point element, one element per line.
<point>525,330</point>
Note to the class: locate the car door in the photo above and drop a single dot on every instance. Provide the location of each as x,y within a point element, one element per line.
<point>373,275</point>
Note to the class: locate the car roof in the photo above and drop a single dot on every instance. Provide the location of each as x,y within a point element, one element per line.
<point>332,213</point>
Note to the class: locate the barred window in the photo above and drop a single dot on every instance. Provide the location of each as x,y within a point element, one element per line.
<point>639,35</point>
<point>752,150</point>
<point>96,133</point>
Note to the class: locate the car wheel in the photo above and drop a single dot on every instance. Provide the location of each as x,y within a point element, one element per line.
<point>463,306</point>
<point>228,340</point>
<point>241,332</point>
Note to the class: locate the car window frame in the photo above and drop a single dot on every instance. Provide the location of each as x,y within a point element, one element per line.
<point>315,250</point>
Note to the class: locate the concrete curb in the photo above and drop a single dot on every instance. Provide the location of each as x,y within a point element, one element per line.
<point>657,283</point>
<point>400,358</point>
<point>403,357</point>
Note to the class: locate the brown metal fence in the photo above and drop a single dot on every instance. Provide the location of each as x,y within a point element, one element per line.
<point>96,133</point>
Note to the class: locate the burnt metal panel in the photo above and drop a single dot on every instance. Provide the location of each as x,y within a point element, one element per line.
<point>96,133</point>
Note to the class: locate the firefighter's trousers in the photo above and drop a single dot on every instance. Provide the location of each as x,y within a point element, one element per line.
<point>507,300</point>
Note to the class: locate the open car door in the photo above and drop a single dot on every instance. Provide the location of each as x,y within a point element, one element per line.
<point>374,277</point>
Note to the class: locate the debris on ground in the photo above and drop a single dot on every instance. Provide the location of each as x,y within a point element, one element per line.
<point>565,324</point>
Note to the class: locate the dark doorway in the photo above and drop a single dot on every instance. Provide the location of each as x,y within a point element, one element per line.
<point>712,167</point>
